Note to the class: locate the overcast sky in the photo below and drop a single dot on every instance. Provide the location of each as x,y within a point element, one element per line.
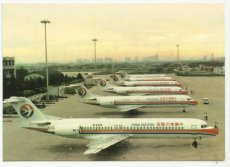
<point>122,30</point>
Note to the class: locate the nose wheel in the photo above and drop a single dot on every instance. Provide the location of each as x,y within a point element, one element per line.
<point>194,143</point>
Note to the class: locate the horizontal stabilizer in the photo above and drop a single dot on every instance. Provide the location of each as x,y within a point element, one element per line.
<point>41,123</point>
<point>11,100</point>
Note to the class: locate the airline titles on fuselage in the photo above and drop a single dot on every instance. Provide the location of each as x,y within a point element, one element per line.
<point>163,99</point>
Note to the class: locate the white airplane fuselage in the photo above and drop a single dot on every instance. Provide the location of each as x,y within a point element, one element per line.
<point>142,90</point>
<point>150,79</point>
<point>141,75</point>
<point>146,75</point>
<point>149,83</point>
<point>135,127</point>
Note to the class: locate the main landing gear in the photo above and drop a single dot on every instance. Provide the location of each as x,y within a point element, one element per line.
<point>184,109</point>
<point>194,143</point>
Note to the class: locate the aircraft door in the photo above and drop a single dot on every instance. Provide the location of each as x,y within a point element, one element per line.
<point>115,127</point>
<point>194,127</point>
<point>120,127</point>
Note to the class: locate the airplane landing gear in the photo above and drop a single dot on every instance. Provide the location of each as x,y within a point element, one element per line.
<point>184,109</point>
<point>194,143</point>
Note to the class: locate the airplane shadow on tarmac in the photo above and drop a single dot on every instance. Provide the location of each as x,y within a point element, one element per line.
<point>127,114</point>
<point>135,113</point>
<point>111,153</point>
<point>68,148</point>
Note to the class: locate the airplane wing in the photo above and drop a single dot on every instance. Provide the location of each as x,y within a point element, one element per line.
<point>128,107</point>
<point>100,142</point>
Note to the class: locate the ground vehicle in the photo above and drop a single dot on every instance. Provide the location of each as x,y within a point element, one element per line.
<point>205,100</point>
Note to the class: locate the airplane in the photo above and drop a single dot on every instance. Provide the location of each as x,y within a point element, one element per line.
<point>105,132</point>
<point>139,90</point>
<point>88,74</point>
<point>123,73</point>
<point>127,103</point>
<point>117,80</point>
<point>144,78</point>
<point>147,79</point>
<point>88,78</point>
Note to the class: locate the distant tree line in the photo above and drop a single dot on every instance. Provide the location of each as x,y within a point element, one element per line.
<point>20,87</point>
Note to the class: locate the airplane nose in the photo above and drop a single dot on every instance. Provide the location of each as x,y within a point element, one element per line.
<point>215,131</point>
<point>178,84</point>
<point>193,102</point>
<point>184,92</point>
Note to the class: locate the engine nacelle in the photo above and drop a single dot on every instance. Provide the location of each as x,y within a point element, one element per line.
<point>65,130</point>
<point>106,102</point>
<point>129,83</point>
<point>121,91</point>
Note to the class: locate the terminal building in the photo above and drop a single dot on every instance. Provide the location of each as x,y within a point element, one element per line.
<point>9,67</point>
<point>219,70</point>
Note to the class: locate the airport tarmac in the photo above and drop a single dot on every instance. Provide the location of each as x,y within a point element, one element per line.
<point>27,145</point>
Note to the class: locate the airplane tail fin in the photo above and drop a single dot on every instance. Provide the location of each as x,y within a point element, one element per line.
<point>116,79</point>
<point>87,75</point>
<point>103,84</point>
<point>84,93</point>
<point>26,110</point>
<point>123,75</point>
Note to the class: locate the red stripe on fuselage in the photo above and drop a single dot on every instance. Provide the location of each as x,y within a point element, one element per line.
<point>159,102</point>
<point>155,91</point>
<point>213,131</point>
<point>152,84</point>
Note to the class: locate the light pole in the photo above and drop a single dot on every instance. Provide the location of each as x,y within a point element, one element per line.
<point>47,74</point>
<point>178,54</point>
<point>95,58</point>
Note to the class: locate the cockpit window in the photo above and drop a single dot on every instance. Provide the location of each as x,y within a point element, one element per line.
<point>204,126</point>
<point>189,98</point>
